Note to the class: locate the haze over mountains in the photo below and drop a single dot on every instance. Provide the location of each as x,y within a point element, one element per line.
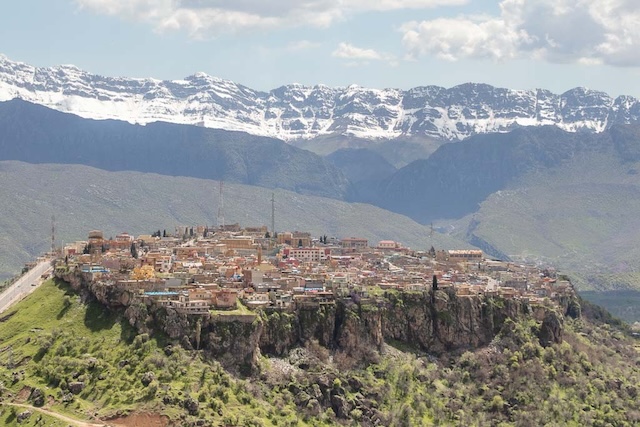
<point>300,112</point>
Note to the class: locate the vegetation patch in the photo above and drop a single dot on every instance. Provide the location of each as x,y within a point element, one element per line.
<point>87,362</point>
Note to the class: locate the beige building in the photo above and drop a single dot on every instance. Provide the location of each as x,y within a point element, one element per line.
<point>241,243</point>
<point>307,254</point>
<point>354,243</point>
<point>465,255</point>
<point>297,238</point>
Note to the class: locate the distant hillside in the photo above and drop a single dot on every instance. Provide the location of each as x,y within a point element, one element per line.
<point>457,177</point>
<point>399,151</point>
<point>581,216</point>
<point>83,198</point>
<point>36,134</point>
<point>364,168</point>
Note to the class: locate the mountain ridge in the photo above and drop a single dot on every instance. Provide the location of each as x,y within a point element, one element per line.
<point>37,134</point>
<point>457,177</point>
<point>297,112</point>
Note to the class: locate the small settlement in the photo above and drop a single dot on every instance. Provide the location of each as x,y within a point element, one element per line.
<point>199,270</point>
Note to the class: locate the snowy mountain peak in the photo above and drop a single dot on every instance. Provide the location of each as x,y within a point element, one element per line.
<point>297,111</point>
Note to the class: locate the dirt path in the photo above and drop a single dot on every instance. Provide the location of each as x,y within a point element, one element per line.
<point>64,418</point>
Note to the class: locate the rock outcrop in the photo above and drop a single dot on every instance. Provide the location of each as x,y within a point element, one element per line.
<point>433,322</point>
<point>551,329</point>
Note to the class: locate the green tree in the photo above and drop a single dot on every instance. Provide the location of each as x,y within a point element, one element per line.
<point>134,250</point>
<point>432,252</point>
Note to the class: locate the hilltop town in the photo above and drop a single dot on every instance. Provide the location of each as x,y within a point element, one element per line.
<point>335,329</point>
<point>235,271</point>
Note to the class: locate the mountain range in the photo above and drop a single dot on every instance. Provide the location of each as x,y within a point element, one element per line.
<point>297,112</point>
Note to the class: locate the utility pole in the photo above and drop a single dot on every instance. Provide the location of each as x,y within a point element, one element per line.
<point>53,234</point>
<point>273,215</point>
<point>431,235</point>
<point>221,206</point>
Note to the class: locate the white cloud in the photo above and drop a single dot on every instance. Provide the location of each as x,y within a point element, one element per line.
<point>302,45</point>
<point>349,51</point>
<point>576,31</point>
<point>357,56</point>
<point>206,18</point>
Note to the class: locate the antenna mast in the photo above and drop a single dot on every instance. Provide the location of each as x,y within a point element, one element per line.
<point>273,214</point>
<point>431,235</point>
<point>53,234</point>
<point>221,206</point>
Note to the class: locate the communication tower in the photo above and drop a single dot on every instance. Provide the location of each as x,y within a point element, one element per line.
<point>273,215</point>
<point>53,234</point>
<point>221,206</point>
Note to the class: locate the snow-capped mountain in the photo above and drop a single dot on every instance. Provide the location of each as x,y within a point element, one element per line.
<point>302,112</point>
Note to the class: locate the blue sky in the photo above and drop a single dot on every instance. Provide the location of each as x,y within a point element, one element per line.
<point>521,44</point>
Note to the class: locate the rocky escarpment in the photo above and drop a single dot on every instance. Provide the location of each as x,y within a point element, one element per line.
<point>433,322</point>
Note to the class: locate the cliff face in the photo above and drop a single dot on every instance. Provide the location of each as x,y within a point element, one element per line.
<point>442,321</point>
<point>430,322</point>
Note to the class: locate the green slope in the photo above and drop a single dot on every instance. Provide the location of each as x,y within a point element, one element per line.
<point>52,339</point>
<point>589,379</point>
<point>84,198</point>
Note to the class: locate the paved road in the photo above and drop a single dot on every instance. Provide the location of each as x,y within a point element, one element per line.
<point>22,287</point>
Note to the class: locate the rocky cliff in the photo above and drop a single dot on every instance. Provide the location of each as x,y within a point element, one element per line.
<point>429,322</point>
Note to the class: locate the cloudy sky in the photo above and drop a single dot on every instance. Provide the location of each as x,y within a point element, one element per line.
<point>521,44</point>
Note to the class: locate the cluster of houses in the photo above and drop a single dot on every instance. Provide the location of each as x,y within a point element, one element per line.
<point>198,270</point>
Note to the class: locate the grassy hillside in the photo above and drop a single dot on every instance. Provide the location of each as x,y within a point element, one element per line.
<point>458,176</point>
<point>589,379</point>
<point>120,371</point>
<point>84,198</point>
